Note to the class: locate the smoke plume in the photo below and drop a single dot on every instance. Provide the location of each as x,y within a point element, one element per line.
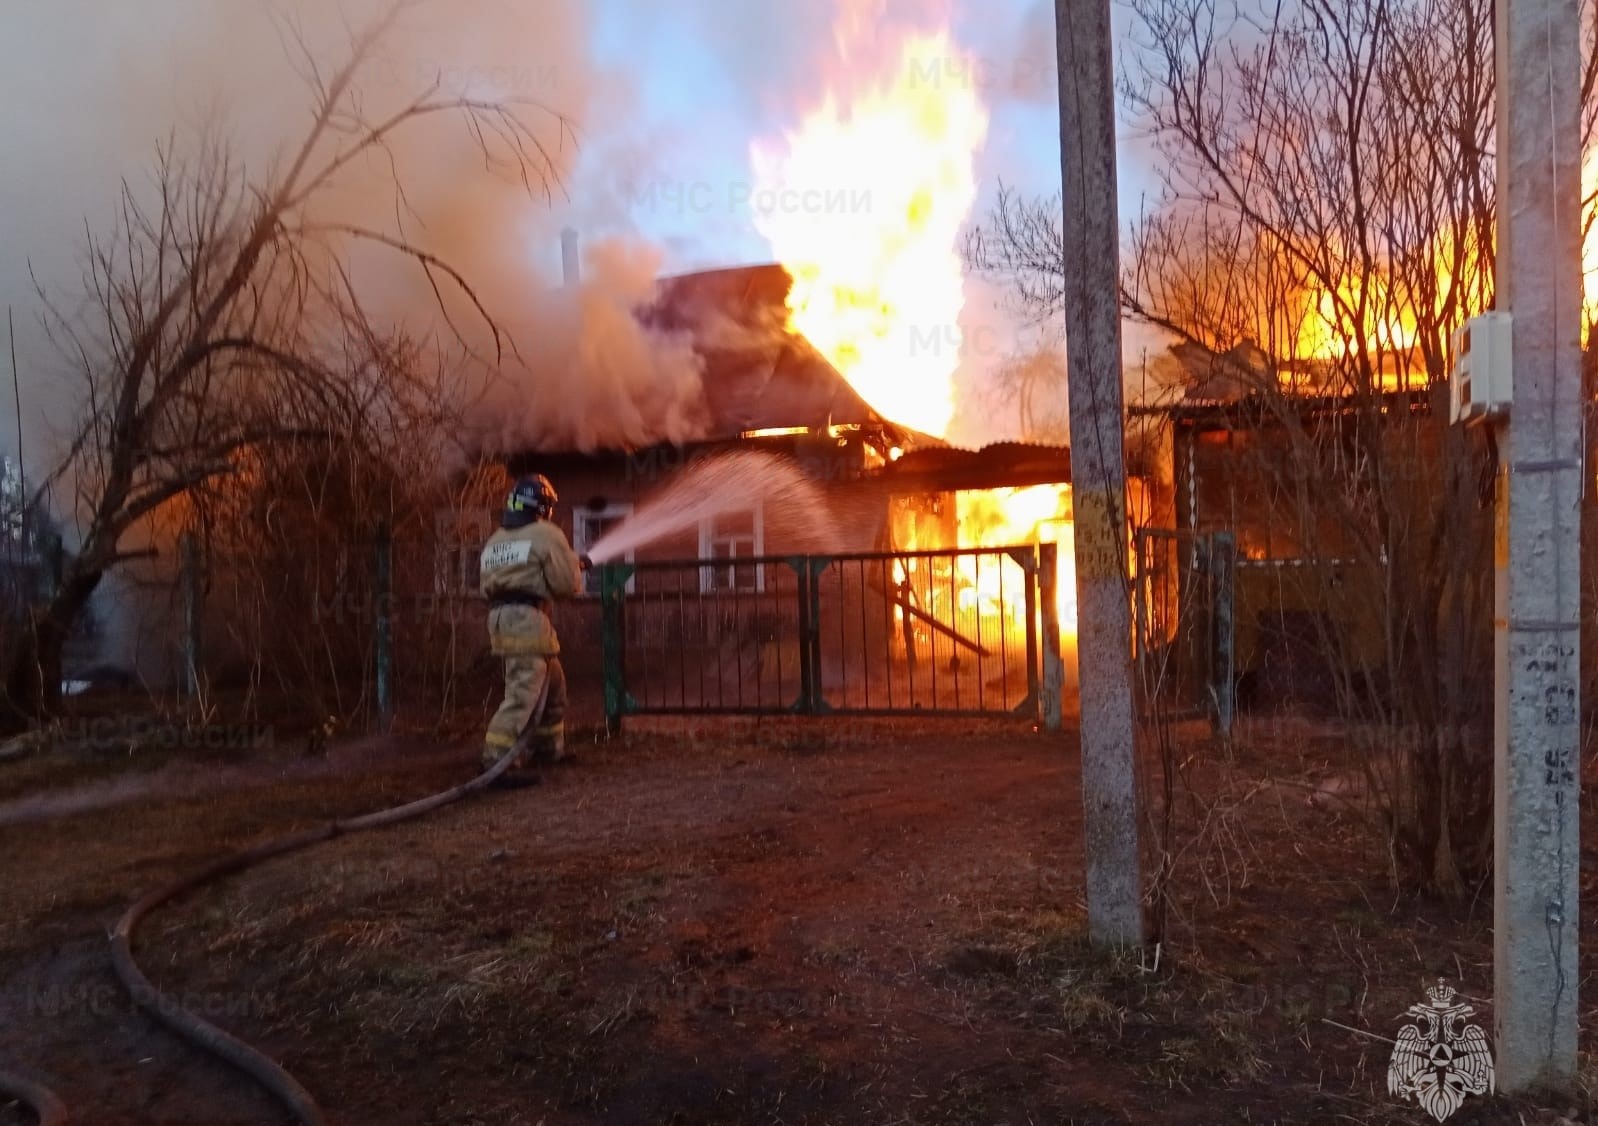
<point>584,370</point>
<point>589,374</point>
<point>169,72</point>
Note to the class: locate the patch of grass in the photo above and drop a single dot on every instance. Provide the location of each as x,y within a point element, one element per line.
<point>1223,1051</point>
<point>1083,1009</point>
<point>1174,1024</point>
<point>1096,990</point>
<point>1245,972</point>
<point>982,961</point>
<point>407,975</point>
<point>531,945</point>
<point>1066,983</point>
<point>830,952</point>
<point>639,897</point>
<point>1360,919</point>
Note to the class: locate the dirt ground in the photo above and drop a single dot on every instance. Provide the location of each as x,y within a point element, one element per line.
<point>740,923</point>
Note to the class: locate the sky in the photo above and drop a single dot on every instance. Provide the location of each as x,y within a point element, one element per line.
<point>707,87</point>
<point>707,84</point>
<point>666,98</point>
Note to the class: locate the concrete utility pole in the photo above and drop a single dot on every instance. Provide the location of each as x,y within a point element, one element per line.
<point>1098,473</point>
<point>1537,548</point>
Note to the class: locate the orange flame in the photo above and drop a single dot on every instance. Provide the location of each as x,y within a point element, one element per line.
<point>1038,514</point>
<point>881,178</point>
<point>870,195</point>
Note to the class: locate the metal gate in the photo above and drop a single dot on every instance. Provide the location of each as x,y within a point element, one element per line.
<point>1184,635</point>
<point>950,633</point>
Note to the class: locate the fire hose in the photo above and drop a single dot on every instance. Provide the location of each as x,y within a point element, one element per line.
<point>277,1082</point>
<point>49,1110</point>
<point>208,1037</point>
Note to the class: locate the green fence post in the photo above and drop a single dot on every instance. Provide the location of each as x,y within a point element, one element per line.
<point>383,627</point>
<point>613,640</point>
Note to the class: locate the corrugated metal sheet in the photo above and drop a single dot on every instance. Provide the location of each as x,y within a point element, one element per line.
<point>998,466</point>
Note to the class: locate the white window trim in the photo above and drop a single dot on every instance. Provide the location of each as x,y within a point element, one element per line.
<point>707,538</point>
<point>580,544</point>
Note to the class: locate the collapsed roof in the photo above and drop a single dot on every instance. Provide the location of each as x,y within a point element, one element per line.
<point>757,374</point>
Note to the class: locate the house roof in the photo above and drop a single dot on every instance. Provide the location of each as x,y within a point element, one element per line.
<point>1260,410</point>
<point>999,466</point>
<point>757,375</point>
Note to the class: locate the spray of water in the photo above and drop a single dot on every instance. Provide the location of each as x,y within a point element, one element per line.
<point>797,514</point>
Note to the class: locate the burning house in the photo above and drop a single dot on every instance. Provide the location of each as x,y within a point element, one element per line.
<point>814,361</point>
<point>1288,478</point>
<point>870,486</point>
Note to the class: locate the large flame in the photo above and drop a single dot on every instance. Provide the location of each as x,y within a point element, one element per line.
<point>1037,514</point>
<point>864,206</point>
<point>867,200</point>
<point>1317,328</point>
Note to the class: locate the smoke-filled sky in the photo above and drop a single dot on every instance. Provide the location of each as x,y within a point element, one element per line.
<point>666,96</point>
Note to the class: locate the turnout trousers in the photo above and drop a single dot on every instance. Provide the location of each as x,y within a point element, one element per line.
<point>532,714</point>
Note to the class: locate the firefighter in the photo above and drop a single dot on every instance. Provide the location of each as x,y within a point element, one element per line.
<point>525,565</point>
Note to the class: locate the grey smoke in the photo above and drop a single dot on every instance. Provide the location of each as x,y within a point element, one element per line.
<point>104,83</point>
<point>96,84</point>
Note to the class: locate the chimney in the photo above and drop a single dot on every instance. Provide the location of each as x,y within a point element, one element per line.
<point>570,272</point>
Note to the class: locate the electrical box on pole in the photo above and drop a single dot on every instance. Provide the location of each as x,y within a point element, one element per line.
<point>1482,381</point>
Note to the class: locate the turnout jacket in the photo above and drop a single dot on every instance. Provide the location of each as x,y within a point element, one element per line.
<point>523,564</point>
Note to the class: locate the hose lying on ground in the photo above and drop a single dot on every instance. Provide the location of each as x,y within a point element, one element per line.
<point>48,1109</point>
<point>280,1084</point>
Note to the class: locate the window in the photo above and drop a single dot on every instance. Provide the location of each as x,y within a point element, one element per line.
<point>457,544</point>
<point>588,526</point>
<point>729,537</point>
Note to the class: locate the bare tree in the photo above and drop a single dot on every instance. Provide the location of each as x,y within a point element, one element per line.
<point>223,319</point>
<point>1327,222</point>
<point>291,553</point>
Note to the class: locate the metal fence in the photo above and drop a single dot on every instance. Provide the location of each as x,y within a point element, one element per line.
<point>951,633</point>
<point>1184,641</point>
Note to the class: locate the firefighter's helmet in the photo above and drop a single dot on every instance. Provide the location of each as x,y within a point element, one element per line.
<point>531,498</point>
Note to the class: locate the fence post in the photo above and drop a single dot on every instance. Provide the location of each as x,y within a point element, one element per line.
<point>814,702</point>
<point>1053,688</point>
<point>808,637</point>
<point>383,627</point>
<point>613,641</point>
<point>189,579</point>
<point>1034,680</point>
<point>1223,681</point>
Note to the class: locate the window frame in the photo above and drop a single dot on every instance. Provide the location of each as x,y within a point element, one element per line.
<point>707,546</point>
<point>581,542</point>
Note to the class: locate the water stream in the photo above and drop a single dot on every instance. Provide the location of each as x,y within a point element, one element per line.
<point>796,511</point>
